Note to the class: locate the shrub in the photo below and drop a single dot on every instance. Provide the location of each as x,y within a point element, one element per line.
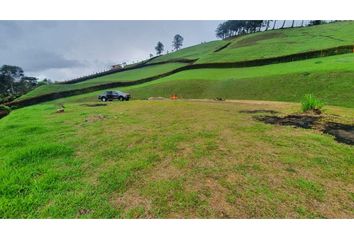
<point>310,102</point>
<point>5,108</point>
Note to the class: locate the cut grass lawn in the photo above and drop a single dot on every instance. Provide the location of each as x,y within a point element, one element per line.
<point>126,76</point>
<point>170,159</point>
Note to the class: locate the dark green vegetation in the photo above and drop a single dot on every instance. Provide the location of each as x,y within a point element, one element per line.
<point>170,159</point>
<point>14,83</point>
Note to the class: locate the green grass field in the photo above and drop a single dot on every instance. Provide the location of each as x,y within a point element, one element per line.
<point>165,159</point>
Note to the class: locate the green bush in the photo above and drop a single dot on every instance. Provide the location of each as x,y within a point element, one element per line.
<point>310,102</point>
<point>5,108</point>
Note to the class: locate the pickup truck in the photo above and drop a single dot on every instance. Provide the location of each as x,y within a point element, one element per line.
<point>111,95</point>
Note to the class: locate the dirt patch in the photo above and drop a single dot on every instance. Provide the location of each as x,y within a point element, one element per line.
<point>343,133</point>
<point>259,111</point>
<point>157,98</point>
<point>253,40</point>
<point>95,118</point>
<point>303,121</point>
<point>83,212</point>
<point>94,105</point>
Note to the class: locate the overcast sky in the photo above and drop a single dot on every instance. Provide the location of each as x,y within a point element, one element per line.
<point>61,50</point>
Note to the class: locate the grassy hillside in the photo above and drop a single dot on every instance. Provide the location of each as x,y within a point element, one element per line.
<point>194,52</point>
<point>130,75</point>
<point>330,78</point>
<point>148,159</point>
<point>270,44</point>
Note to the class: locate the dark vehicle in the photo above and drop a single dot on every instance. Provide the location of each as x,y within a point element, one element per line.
<point>111,95</point>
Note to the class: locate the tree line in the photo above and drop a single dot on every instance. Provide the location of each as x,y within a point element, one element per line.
<point>233,28</point>
<point>14,83</point>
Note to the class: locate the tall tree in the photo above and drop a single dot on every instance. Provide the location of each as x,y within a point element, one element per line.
<point>282,26</point>
<point>238,27</point>
<point>177,42</point>
<point>267,23</point>
<point>11,74</point>
<point>14,83</point>
<point>159,48</point>
<point>302,23</point>
<point>316,22</point>
<point>292,24</point>
<point>275,21</point>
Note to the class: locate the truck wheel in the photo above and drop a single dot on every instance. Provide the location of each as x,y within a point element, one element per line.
<point>120,98</point>
<point>104,99</point>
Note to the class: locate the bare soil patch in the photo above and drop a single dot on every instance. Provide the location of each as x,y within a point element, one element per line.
<point>303,121</point>
<point>343,133</point>
<point>95,118</point>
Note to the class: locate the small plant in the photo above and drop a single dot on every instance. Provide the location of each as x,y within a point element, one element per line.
<point>311,103</point>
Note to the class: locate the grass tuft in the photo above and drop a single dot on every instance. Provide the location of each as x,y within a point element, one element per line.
<point>311,103</point>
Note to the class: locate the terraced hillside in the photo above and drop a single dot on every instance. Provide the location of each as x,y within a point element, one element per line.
<point>219,70</point>
<point>126,76</point>
<point>270,44</point>
<point>325,78</point>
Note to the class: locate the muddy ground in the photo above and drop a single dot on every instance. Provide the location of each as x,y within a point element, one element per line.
<point>343,133</point>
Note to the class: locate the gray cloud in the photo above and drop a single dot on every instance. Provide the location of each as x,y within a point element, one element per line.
<point>66,49</point>
<point>43,60</point>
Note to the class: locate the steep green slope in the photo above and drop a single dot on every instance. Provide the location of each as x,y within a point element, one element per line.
<point>125,76</point>
<point>270,44</point>
<point>194,52</point>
